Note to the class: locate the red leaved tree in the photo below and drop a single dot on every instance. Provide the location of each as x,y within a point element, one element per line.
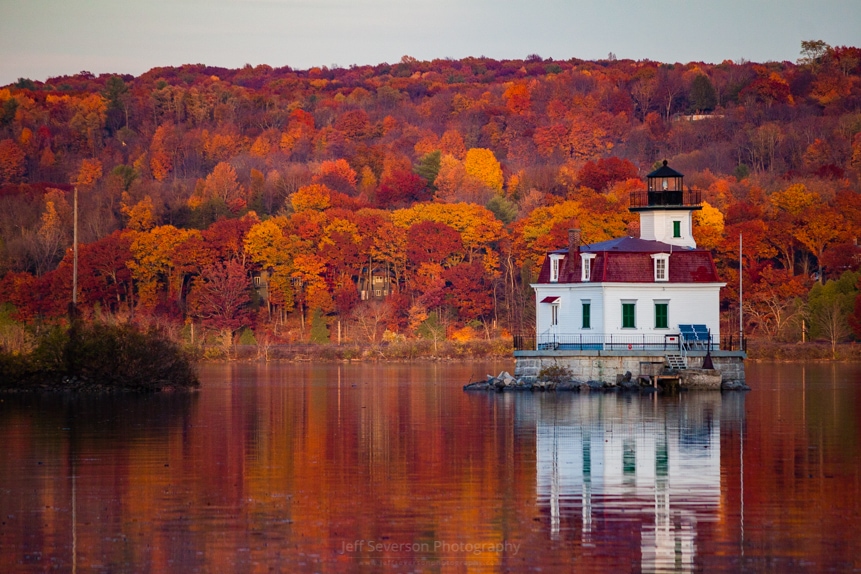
<point>220,297</point>
<point>598,175</point>
<point>402,188</point>
<point>468,290</point>
<point>432,242</point>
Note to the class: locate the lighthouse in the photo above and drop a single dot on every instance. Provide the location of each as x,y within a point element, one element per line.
<point>608,308</point>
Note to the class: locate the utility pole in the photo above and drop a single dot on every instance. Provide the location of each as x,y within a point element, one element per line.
<point>740,295</point>
<point>75,251</point>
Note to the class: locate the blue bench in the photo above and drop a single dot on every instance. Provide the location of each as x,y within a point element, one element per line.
<point>695,336</point>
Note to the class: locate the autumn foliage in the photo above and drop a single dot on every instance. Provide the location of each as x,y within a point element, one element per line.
<point>414,197</point>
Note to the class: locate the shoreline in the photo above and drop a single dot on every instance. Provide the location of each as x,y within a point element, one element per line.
<point>401,352</point>
<point>486,349</point>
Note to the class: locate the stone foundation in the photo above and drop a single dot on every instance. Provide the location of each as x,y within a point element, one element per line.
<point>607,366</point>
<point>709,379</point>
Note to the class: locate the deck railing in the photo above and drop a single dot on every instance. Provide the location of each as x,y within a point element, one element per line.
<point>733,342</point>
<point>609,342</point>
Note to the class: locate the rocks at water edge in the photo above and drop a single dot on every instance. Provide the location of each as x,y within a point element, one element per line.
<point>505,382</point>
<point>734,386</point>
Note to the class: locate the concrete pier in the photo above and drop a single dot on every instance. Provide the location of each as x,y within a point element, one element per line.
<point>608,366</point>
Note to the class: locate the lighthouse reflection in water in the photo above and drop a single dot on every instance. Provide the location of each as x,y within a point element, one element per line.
<point>610,463</point>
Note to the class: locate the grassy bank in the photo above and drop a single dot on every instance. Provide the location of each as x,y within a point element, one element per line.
<point>811,351</point>
<point>394,351</point>
<point>99,358</point>
<point>499,348</point>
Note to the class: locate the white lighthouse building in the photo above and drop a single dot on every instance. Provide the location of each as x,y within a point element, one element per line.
<point>653,299</point>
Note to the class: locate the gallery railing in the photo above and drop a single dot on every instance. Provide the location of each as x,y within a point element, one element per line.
<point>680,198</point>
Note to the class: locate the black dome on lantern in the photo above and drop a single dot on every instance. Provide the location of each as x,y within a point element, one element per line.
<point>665,171</point>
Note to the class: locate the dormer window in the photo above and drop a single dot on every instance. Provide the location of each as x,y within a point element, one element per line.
<point>586,266</point>
<point>662,266</point>
<point>660,269</point>
<point>555,260</point>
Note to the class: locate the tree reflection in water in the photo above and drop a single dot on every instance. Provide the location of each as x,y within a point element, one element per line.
<point>392,467</point>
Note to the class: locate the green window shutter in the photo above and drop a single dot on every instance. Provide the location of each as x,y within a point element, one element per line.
<point>628,316</point>
<point>587,315</point>
<point>662,316</point>
<point>677,229</point>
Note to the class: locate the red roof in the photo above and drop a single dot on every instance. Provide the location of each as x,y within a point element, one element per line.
<point>629,260</point>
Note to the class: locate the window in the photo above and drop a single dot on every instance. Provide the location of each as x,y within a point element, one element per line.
<point>629,315</point>
<point>662,263</point>
<point>662,315</point>
<point>586,266</point>
<point>554,315</point>
<point>677,229</point>
<point>587,315</point>
<point>554,267</point>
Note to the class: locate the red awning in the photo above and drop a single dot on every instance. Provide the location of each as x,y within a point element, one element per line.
<point>550,300</point>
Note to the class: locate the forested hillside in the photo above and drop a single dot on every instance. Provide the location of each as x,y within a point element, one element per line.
<point>418,199</point>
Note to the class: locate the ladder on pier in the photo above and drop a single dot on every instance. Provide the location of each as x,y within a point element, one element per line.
<point>676,362</point>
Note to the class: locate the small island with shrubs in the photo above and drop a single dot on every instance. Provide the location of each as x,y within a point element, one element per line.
<point>98,357</point>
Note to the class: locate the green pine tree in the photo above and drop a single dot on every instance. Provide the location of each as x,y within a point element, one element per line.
<point>428,167</point>
<point>703,96</point>
<point>319,329</point>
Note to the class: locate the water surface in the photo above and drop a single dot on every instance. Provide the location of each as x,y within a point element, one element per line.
<point>330,468</point>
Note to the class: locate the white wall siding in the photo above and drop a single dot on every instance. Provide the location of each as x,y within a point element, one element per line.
<point>688,304</point>
<point>657,225</point>
<point>543,312</point>
<point>647,226</point>
<point>570,307</point>
<point>593,293</point>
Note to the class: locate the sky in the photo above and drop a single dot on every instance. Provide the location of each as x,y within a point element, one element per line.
<point>47,38</point>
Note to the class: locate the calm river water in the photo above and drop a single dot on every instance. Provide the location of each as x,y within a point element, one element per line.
<point>369,468</point>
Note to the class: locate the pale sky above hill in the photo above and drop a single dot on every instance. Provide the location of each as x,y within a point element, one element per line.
<point>44,38</point>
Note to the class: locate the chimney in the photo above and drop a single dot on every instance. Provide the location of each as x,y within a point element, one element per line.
<point>573,241</point>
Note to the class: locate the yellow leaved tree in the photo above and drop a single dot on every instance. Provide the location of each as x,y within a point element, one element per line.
<point>271,245</point>
<point>154,264</point>
<point>546,228</point>
<point>708,227</point>
<point>141,215</point>
<point>482,165</point>
<point>51,235</point>
<point>314,197</point>
<point>88,174</point>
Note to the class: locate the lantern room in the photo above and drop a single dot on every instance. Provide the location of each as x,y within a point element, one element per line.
<point>666,186</point>
<point>666,208</point>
